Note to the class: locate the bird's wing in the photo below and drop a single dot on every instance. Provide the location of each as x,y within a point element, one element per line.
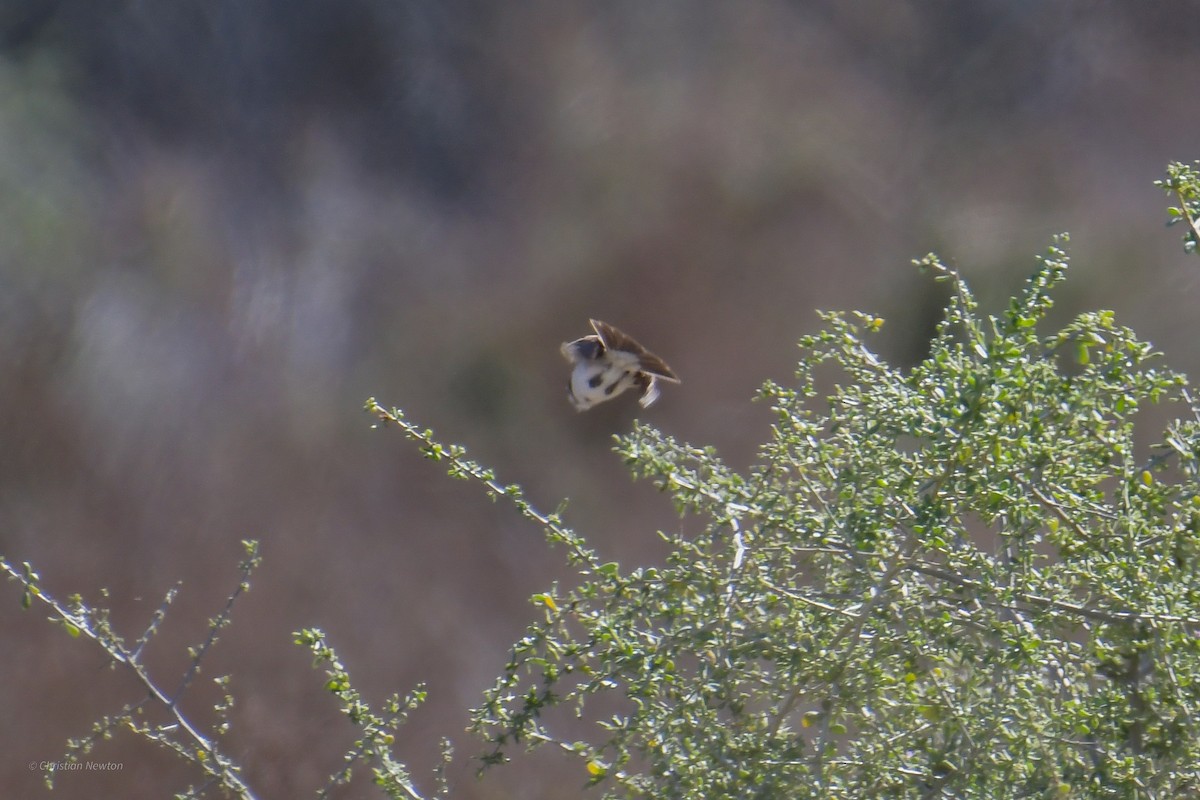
<point>656,367</point>
<point>614,339</point>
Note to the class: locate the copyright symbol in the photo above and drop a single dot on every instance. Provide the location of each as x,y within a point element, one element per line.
<point>33,766</point>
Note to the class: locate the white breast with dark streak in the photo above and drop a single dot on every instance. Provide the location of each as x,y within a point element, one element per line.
<point>596,381</point>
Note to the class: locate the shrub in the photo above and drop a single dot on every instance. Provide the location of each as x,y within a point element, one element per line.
<point>959,581</point>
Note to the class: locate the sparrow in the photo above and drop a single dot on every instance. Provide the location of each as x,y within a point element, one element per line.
<point>609,362</point>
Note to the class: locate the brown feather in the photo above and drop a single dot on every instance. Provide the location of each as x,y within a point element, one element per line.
<point>614,339</point>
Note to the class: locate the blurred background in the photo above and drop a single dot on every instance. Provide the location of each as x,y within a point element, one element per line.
<point>225,223</point>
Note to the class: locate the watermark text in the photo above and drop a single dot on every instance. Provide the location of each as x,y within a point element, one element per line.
<point>76,766</point>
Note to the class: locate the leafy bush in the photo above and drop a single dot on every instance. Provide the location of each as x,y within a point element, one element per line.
<point>955,581</point>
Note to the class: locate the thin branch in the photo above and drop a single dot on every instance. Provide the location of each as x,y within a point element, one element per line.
<point>462,466</point>
<point>155,620</point>
<point>1033,601</point>
<point>215,763</point>
<point>1056,509</point>
<point>216,624</point>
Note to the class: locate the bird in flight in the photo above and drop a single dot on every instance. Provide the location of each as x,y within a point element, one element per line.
<point>607,363</point>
